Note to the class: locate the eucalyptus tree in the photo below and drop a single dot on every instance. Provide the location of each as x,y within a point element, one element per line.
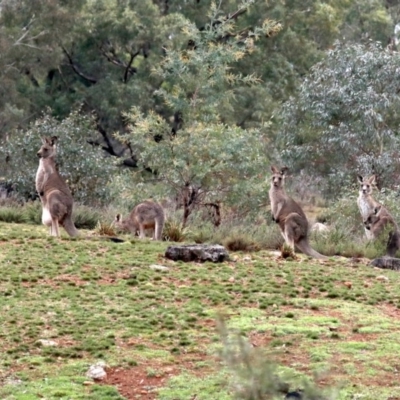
<point>204,161</point>
<point>99,53</point>
<point>344,120</point>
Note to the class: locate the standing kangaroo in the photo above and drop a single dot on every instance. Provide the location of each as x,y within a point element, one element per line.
<point>366,203</point>
<point>379,222</point>
<point>146,215</point>
<point>289,215</point>
<point>54,193</point>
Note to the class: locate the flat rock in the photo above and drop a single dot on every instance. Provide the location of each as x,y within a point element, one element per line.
<point>386,263</point>
<point>197,252</point>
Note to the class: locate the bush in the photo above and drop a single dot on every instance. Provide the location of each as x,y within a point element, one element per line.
<point>254,376</point>
<point>173,230</point>
<point>84,167</point>
<point>86,217</point>
<point>12,214</point>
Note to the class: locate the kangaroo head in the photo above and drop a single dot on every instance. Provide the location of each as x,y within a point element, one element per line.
<point>117,219</point>
<point>366,184</point>
<point>48,148</point>
<point>119,223</point>
<point>278,176</point>
<point>373,217</point>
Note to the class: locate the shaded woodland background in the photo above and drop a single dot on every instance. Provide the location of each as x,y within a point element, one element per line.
<point>193,99</point>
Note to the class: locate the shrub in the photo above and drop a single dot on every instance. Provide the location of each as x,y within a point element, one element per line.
<point>173,231</point>
<point>254,376</point>
<point>84,167</point>
<point>86,217</point>
<point>33,212</point>
<point>12,214</point>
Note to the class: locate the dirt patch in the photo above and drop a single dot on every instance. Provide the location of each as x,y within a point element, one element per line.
<point>143,381</point>
<point>136,382</point>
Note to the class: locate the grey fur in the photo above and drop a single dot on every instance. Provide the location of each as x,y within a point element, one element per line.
<point>54,193</point>
<point>146,215</point>
<point>289,215</point>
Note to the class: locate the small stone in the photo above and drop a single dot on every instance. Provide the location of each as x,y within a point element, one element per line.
<point>382,278</point>
<point>47,343</point>
<point>231,279</point>
<point>157,267</point>
<point>88,383</point>
<point>348,284</point>
<point>96,371</point>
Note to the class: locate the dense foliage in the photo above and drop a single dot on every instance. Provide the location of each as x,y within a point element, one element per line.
<point>84,167</point>
<point>112,56</point>
<point>344,120</point>
<point>204,161</point>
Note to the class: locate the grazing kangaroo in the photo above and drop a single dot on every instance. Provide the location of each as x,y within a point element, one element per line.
<point>381,223</point>
<point>146,215</point>
<point>289,215</point>
<point>366,203</point>
<point>54,193</point>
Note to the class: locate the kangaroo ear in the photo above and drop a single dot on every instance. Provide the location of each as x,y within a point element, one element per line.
<point>360,178</point>
<point>284,170</point>
<point>53,140</point>
<point>117,217</point>
<point>274,169</point>
<point>372,180</point>
<point>44,139</point>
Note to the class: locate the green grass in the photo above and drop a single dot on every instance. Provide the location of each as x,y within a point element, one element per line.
<point>100,301</point>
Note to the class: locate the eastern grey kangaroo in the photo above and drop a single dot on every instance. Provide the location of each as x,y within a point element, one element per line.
<point>56,198</point>
<point>366,203</point>
<point>146,215</point>
<point>289,215</point>
<point>380,222</point>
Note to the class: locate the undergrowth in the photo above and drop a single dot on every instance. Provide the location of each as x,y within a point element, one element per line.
<point>345,235</point>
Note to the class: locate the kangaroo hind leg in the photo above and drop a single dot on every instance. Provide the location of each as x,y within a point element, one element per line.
<point>54,228</point>
<point>289,236</point>
<point>142,233</point>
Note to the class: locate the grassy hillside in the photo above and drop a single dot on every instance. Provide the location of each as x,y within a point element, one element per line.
<point>156,330</point>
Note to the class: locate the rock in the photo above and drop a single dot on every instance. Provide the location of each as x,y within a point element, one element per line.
<point>382,278</point>
<point>319,228</point>
<point>157,267</point>
<point>293,395</point>
<point>197,252</point>
<point>387,263</point>
<point>96,371</point>
<point>47,343</point>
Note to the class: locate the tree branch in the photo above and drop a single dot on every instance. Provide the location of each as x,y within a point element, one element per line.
<point>77,69</point>
<point>112,58</point>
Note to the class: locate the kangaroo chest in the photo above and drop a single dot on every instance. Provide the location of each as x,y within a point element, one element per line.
<point>365,205</point>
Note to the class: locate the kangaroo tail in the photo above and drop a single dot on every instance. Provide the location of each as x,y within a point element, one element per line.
<point>69,226</point>
<point>393,243</point>
<point>116,239</point>
<point>107,238</point>
<point>305,247</point>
